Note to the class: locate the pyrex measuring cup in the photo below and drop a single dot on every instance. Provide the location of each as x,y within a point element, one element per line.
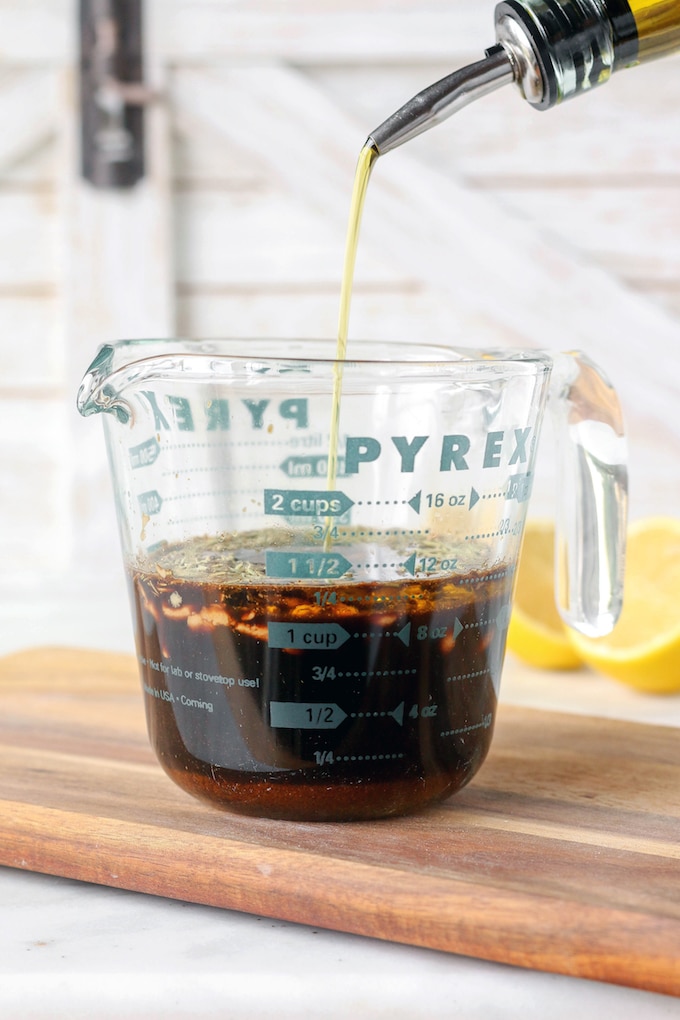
<point>331,649</point>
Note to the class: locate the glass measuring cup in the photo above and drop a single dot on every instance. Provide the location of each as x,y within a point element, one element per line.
<point>315,648</point>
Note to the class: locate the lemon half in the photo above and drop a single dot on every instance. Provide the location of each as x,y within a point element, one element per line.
<point>536,633</point>
<point>643,650</point>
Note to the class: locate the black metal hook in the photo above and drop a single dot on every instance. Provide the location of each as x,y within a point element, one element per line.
<point>112,92</point>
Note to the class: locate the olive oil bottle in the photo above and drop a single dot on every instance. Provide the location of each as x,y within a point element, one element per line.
<point>552,50</point>
<point>562,48</point>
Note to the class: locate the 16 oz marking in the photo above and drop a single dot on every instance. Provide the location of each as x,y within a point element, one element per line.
<point>439,499</point>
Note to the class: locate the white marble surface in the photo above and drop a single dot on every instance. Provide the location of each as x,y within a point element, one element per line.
<point>78,951</point>
<point>72,950</point>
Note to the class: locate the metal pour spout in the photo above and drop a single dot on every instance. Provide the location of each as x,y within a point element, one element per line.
<point>552,49</point>
<point>445,97</point>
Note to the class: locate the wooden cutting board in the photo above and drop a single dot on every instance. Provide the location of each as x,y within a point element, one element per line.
<point>562,855</point>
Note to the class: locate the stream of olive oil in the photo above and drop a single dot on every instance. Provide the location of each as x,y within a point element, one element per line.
<point>367,158</point>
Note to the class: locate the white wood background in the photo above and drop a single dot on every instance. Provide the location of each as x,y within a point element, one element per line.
<point>503,226</point>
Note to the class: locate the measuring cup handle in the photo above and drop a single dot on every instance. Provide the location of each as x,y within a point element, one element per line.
<point>592,503</point>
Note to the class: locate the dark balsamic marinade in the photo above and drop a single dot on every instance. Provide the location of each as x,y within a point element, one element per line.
<point>352,699</point>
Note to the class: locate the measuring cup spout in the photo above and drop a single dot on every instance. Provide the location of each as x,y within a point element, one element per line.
<point>119,368</point>
<point>592,506</point>
<point>97,391</point>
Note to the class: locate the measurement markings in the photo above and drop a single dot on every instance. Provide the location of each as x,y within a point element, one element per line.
<point>198,495</point>
<point>226,444</point>
<point>202,517</point>
<point>483,725</point>
<point>325,636</point>
<point>368,757</point>
<point>396,532</point>
<point>322,673</point>
<point>404,634</point>
<point>199,446</point>
<point>261,442</point>
<point>507,528</point>
<point>369,715</point>
<point>487,534</point>
<point>319,636</point>
<point>467,676</point>
<point>305,565</point>
<point>189,471</point>
<point>310,564</point>
<point>382,601</point>
<point>306,502</point>
<point>483,578</point>
<point>382,566</point>
<point>294,715</point>
<point>366,674</point>
<point>501,620</point>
